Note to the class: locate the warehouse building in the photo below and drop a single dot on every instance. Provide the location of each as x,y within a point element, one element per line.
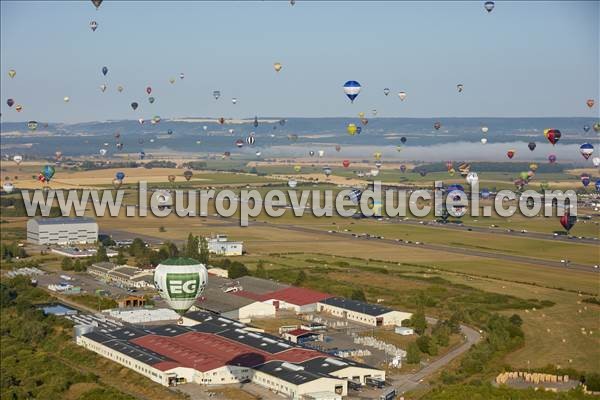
<point>300,300</point>
<point>62,231</point>
<point>359,311</point>
<point>123,275</point>
<point>220,245</point>
<point>214,350</point>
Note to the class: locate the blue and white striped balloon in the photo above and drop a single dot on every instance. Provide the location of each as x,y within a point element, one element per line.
<point>352,89</point>
<point>586,150</point>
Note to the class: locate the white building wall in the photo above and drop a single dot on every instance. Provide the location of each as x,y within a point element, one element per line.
<point>390,318</point>
<point>62,234</point>
<point>225,248</point>
<point>359,374</point>
<point>256,309</point>
<point>292,391</point>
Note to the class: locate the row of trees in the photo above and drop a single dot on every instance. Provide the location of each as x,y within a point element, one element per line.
<point>11,250</point>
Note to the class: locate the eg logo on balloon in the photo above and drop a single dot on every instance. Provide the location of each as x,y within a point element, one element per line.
<point>182,286</point>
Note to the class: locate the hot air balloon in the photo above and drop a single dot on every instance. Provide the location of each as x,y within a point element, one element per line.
<point>377,155</point>
<point>239,143</point>
<point>103,87</point>
<point>361,114</point>
<point>134,105</point>
<point>596,127</point>
<point>119,88</point>
<point>484,140</point>
<point>352,89</point>
<point>142,155</point>
<point>532,146</point>
<point>568,221</point>
<point>358,130</point>
<point>460,87</point>
<point>297,168</point>
<point>338,147</point>
<point>586,150</point>
<point>97,3</point>
<point>402,168</point>
<point>120,175</point>
<point>48,172</point>
<point>119,146</point>
<point>472,178</point>
<point>386,91</point>
<point>437,125</point>
<point>292,183</point>
<point>378,164</point>
<point>221,120</point>
<point>93,26</point>
<point>553,135</point>
<point>489,6</point>
<point>351,129</point>
<point>585,179</point>
<point>402,95</point>
<point>32,125</point>
<point>374,112</point>
<point>533,167</point>
<point>18,107</point>
<point>234,100</point>
<point>258,153</point>
<point>117,183</point>
<point>596,161</point>
<point>281,122</point>
<point>171,178</point>
<point>277,66</point>
<point>104,71</point>
<point>590,103</point>
<point>227,153</point>
<point>485,129</point>
<point>181,75</point>
<point>327,171</point>
<point>346,163</point>
<point>102,152</point>
<point>169,132</point>
<point>364,121</point>
<point>311,153</point>
<point>12,73</point>
<point>141,121</point>
<point>151,99</point>
<point>250,140</point>
<point>510,154</point>
<point>8,187</point>
<point>216,94</point>
<point>321,153</point>
<point>403,139</point>
<point>66,99</point>
<point>57,155</point>
<point>255,123</point>
<point>10,102</point>
<point>464,169</point>
<point>586,128</point>
<point>597,185</point>
<point>485,193</point>
<point>18,159</point>
<point>552,158</point>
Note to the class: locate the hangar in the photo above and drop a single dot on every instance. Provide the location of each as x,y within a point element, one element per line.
<point>358,311</point>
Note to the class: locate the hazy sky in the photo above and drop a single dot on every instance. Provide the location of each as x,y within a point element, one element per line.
<point>523,59</point>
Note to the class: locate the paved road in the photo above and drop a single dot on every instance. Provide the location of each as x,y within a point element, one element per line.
<point>410,381</point>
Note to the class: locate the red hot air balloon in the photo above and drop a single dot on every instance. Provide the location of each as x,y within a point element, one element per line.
<point>553,135</point>
<point>510,154</point>
<point>221,120</point>
<point>346,163</point>
<point>590,103</point>
<point>567,221</point>
<point>148,90</point>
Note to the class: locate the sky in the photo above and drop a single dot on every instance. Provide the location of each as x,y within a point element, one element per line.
<point>523,59</point>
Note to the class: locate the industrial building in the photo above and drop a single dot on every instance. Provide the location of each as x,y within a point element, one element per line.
<point>300,300</point>
<point>212,350</point>
<point>364,313</point>
<point>220,245</point>
<point>62,231</point>
<point>123,275</point>
<point>219,297</point>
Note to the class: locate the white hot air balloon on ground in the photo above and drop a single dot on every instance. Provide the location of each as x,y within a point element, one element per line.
<point>472,178</point>
<point>8,187</point>
<point>180,281</point>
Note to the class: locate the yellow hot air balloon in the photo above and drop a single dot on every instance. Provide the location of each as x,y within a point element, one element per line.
<point>12,73</point>
<point>361,115</point>
<point>277,66</point>
<point>297,168</point>
<point>351,129</point>
<point>377,155</point>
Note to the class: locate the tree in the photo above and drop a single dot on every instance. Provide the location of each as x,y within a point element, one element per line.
<point>78,267</point>
<point>441,334</point>
<point>358,295</point>
<point>137,248</point>
<point>191,247</point>
<point>237,270</point>
<point>413,355</point>
<point>515,319</point>
<point>66,264</point>
<point>301,278</point>
<point>424,343</point>
<point>101,254</point>
<point>418,321</point>
<point>260,270</point>
<point>121,259</point>
<point>203,254</point>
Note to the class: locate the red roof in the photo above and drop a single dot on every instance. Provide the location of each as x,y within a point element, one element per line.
<point>205,351</point>
<point>298,332</point>
<point>293,295</point>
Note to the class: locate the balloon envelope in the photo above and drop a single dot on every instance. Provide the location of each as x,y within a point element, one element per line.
<point>180,281</point>
<point>352,89</point>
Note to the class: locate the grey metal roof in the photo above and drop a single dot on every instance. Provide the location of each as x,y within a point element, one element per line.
<point>357,306</point>
<point>327,365</point>
<point>260,341</point>
<point>63,220</point>
<point>214,299</point>
<point>259,285</point>
<point>292,375</point>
